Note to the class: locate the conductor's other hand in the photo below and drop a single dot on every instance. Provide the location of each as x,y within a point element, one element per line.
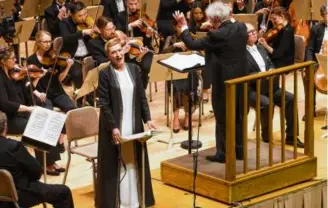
<point>116,136</point>
<point>181,21</point>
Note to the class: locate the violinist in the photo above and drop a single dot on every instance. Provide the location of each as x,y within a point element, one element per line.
<point>262,10</point>
<point>319,34</point>
<point>49,93</point>
<point>75,40</point>
<point>15,99</point>
<point>239,7</point>
<point>280,46</point>
<point>54,14</point>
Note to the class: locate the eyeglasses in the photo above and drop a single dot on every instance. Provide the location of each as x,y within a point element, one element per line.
<point>252,31</point>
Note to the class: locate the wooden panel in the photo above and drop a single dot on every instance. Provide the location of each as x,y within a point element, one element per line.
<point>316,4</point>
<point>247,18</point>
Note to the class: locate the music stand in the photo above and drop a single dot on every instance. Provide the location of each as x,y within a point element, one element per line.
<point>142,138</point>
<point>35,8</point>
<point>160,73</point>
<point>24,30</point>
<point>322,60</point>
<point>190,144</point>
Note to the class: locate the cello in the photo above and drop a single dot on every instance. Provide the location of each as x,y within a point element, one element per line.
<point>320,78</point>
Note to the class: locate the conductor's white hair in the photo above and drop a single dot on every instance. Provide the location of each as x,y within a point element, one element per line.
<point>219,10</point>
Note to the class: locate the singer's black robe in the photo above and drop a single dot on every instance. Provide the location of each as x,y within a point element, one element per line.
<point>111,112</point>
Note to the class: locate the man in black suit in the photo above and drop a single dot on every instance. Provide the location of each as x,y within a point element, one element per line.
<point>164,16</point>
<point>227,45</point>
<point>258,61</point>
<point>318,34</point>
<point>26,172</point>
<point>112,8</point>
<point>54,14</point>
<point>107,31</point>
<point>75,41</point>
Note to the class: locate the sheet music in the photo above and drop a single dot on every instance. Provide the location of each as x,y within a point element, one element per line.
<point>45,126</point>
<point>182,62</point>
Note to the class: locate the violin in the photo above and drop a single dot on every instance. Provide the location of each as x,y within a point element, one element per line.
<point>147,23</point>
<point>50,58</point>
<point>88,24</point>
<point>32,71</point>
<point>273,33</point>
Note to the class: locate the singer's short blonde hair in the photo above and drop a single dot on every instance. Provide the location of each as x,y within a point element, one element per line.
<point>112,42</point>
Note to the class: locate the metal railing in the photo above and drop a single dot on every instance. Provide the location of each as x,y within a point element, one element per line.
<point>231,85</point>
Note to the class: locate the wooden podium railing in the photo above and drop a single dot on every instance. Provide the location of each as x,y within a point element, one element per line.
<point>231,112</point>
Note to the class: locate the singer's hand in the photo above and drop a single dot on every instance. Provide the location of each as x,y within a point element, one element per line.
<point>151,125</point>
<point>116,136</point>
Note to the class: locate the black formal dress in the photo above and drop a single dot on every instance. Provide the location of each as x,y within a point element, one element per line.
<point>283,48</point>
<point>12,95</point>
<point>26,172</point>
<point>252,68</point>
<point>111,113</point>
<point>96,47</point>
<point>227,46</point>
<point>56,97</point>
<point>51,16</point>
<point>313,47</point>
<point>164,17</point>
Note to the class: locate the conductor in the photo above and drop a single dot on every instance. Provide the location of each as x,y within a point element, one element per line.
<point>226,45</point>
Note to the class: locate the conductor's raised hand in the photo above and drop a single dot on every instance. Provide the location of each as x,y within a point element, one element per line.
<point>116,136</point>
<point>180,18</point>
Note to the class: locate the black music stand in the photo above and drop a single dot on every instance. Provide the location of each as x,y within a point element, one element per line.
<point>190,143</point>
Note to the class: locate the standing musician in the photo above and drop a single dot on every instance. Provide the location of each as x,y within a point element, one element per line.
<point>77,30</point>
<point>54,14</point>
<point>123,110</point>
<point>49,92</point>
<point>258,61</point>
<point>15,99</point>
<point>112,8</point>
<point>227,45</point>
<point>107,31</point>
<point>164,17</point>
<point>319,34</point>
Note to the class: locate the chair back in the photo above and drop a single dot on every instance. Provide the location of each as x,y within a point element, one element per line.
<point>58,43</point>
<point>81,123</point>
<point>87,64</point>
<point>92,11</point>
<point>299,48</point>
<point>44,25</point>
<point>8,191</point>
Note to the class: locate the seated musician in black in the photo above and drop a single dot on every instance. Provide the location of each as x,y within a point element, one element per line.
<point>97,48</point>
<point>75,40</point>
<point>54,14</point>
<point>136,27</point>
<point>258,61</point>
<point>26,172</point>
<point>49,92</point>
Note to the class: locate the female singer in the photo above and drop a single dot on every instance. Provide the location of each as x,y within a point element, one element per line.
<point>282,47</point>
<point>180,87</point>
<point>15,98</point>
<point>49,93</point>
<point>123,109</point>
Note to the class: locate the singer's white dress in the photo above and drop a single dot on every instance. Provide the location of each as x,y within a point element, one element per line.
<point>128,185</point>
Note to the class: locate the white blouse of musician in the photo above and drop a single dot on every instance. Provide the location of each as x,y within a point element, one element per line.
<point>120,5</point>
<point>128,185</point>
<point>257,56</point>
<point>325,40</point>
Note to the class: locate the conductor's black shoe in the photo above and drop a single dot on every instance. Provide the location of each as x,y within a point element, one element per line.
<point>53,173</point>
<point>324,128</point>
<point>214,158</point>
<point>290,141</point>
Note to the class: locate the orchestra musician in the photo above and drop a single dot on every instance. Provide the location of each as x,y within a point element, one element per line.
<point>26,172</point>
<point>262,10</point>
<point>50,93</point>
<point>319,34</point>
<point>180,87</point>
<point>227,45</point>
<point>54,14</point>
<point>166,9</point>
<point>123,110</point>
<point>77,30</point>
<point>239,7</point>
<point>112,8</point>
<point>107,31</point>
<point>280,42</point>
<point>258,61</point>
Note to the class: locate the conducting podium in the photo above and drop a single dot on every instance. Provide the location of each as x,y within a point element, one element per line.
<point>186,64</point>
<point>142,138</point>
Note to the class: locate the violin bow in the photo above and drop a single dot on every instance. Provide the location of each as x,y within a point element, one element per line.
<point>271,7</point>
